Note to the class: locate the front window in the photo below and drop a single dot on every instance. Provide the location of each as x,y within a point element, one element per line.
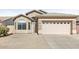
<point>22,25</point>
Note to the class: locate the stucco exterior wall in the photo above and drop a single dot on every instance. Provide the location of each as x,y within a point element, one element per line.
<point>73,24</point>
<point>11,28</point>
<point>33,27</point>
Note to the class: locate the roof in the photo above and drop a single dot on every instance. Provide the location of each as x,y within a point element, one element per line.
<point>8,21</point>
<point>43,11</point>
<point>22,16</point>
<point>37,11</point>
<point>57,15</point>
<point>4,18</point>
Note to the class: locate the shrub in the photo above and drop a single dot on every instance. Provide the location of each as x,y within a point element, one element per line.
<point>3,30</point>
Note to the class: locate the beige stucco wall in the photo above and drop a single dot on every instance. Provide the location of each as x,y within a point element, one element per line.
<point>73,24</point>
<point>33,14</point>
<point>11,28</point>
<point>74,27</point>
<point>33,27</point>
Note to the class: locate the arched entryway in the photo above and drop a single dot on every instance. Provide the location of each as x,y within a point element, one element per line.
<point>22,26</point>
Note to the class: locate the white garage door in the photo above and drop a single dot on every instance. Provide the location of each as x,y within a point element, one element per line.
<point>56,27</point>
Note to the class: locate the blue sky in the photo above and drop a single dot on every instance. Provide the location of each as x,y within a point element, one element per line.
<point>14,12</point>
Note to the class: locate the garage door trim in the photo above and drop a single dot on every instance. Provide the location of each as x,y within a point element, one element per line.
<point>59,22</point>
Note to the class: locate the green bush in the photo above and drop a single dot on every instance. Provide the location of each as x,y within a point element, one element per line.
<point>3,30</point>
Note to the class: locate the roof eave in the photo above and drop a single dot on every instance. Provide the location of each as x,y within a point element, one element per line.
<point>55,17</point>
<point>22,16</point>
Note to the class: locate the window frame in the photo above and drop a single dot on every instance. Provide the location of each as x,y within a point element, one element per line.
<point>22,26</point>
<point>29,25</point>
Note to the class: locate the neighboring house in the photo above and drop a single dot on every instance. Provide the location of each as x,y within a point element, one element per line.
<point>2,19</point>
<point>41,22</point>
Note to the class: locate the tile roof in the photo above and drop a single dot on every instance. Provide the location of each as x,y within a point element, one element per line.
<point>8,21</point>
<point>37,11</point>
<point>44,12</point>
<point>3,18</point>
<point>58,14</point>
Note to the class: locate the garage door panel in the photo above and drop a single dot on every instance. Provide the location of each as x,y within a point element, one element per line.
<point>56,28</point>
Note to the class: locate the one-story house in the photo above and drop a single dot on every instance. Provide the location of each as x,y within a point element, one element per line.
<point>41,22</point>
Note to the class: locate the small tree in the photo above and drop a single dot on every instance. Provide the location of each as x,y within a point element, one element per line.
<point>3,30</point>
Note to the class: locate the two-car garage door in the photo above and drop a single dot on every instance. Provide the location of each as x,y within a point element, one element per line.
<point>56,27</point>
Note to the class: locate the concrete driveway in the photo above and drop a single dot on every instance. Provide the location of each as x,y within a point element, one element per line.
<point>34,41</point>
<point>62,41</point>
<point>21,41</point>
